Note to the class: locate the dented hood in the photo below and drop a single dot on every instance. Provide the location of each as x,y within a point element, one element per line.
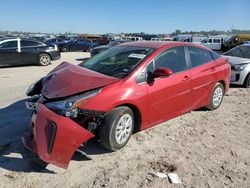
<point>68,79</point>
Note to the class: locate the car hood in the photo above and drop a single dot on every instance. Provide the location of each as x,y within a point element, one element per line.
<point>236,60</point>
<point>68,79</point>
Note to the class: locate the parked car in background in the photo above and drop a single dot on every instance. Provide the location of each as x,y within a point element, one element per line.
<point>62,44</point>
<point>77,45</point>
<point>20,51</point>
<point>214,43</point>
<point>100,39</point>
<point>246,42</point>
<point>102,48</point>
<point>239,58</point>
<point>41,39</point>
<point>127,88</point>
<point>236,40</point>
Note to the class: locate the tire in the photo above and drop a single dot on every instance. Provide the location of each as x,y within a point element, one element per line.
<point>247,81</point>
<point>65,49</point>
<point>216,97</point>
<point>117,128</point>
<point>44,59</point>
<point>89,49</point>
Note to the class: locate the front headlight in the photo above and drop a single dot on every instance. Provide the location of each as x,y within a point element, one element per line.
<point>69,107</point>
<point>239,67</point>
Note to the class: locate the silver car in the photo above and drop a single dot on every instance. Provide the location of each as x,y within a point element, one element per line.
<point>239,58</point>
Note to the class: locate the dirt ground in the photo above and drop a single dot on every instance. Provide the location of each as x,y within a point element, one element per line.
<point>205,148</point>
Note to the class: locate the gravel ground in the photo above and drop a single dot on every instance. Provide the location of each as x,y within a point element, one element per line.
<point>205,148</point>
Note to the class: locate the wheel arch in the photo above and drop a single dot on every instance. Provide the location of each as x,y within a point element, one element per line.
<point>137,115</point>
<point>245,80</point>
<point>45,53</point>
<point>223,83</point>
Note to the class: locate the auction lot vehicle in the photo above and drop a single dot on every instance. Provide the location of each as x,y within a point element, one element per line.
<point>125,89</point>
<point>214,43</point>
<point>77,45</point>
<point>61,43</point>
<point>236,40</point>
<point>102,48</point>
<point>20,51</point>
<point>239,58</point>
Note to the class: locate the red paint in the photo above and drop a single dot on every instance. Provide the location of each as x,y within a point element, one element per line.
<point>68,138</point>
<point>166,98</point>
<point>68,79</point>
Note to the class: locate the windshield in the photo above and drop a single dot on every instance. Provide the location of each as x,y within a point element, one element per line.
<point>117,61</point>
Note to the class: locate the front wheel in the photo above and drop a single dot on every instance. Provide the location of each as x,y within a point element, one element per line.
<point>117,128</point>
<point>44,59</point>
<point>216,96</point>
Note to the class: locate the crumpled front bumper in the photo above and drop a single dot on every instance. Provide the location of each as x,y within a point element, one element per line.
<point>54,138</point>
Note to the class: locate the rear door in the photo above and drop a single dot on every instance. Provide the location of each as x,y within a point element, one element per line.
<point>9,54</point>
<point>30,51</point>
<point>169,97</point>
<point>203,73</point>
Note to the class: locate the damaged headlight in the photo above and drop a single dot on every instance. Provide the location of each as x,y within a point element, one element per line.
<point>69,107</point>
<point>34,88</point>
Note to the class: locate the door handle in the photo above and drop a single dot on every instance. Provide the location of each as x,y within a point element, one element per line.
<point>185,78</point>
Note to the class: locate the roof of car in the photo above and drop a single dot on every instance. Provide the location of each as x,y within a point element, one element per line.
<point>7,38</point>
<point>159,44</point>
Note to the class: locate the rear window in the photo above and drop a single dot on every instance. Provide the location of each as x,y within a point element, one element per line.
<point>28,43</point>
<point>236,52</point>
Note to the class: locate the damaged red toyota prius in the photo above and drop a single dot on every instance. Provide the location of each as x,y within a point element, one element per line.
<point>125,89</point>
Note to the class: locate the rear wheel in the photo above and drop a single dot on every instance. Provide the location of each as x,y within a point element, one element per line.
<point>44,59</point>
<point>65,49</point>
<point>247,81</point>
<point>216,96</point>
<point>117,128</point>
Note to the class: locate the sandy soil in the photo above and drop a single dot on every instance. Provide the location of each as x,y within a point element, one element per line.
<point>205,148</point>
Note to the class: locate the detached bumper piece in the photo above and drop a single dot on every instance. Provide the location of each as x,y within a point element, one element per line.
<point>54,138</point>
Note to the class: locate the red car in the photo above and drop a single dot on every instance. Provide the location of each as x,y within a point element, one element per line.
<point>125,89</point>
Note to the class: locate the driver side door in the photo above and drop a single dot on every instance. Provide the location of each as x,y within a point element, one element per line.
<point>169,97</point>
<point>9,54</point>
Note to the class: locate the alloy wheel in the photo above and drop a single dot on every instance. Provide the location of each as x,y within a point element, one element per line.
<point>124,128</point>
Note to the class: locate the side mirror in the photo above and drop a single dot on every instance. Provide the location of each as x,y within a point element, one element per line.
<point>162,72</point>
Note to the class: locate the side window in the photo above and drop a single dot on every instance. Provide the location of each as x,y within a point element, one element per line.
<point>245,50</point>
<point>28,43</point>
<point>9,44</point>
<point>217,41</point>
<point>173,58</point>
<point>143,74</point>
<point>236,52</point>
<point>214,55</point>
<point>199,56</point>
<point>151,67</point>
<point>210,40</point>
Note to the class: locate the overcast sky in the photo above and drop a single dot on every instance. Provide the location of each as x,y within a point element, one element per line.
<point>102,16</point>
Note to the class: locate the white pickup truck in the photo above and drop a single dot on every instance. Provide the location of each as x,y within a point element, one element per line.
<point>215,42</point>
